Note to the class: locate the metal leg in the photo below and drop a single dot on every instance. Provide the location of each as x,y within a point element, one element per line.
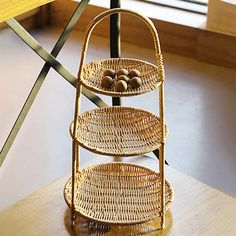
<point>115,40</point>
<point>156,153</point>
<point>50,62</point>
<point>57,66</point>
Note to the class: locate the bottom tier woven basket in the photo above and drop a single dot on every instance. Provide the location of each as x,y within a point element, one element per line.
<point>118,193</point>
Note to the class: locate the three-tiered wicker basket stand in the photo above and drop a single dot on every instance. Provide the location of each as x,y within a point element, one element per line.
<point>119,193</point>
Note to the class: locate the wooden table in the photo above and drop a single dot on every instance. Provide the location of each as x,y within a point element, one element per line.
<point>12,8</point>
<point>197,210</point>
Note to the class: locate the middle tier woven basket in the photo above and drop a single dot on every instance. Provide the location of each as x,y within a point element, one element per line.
<point>119,131</point>
<point>118,193</point>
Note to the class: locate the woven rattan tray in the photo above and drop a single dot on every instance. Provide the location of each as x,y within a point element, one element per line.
<point>118,193</point>
<point>93,73</point>
<point>119,131</point>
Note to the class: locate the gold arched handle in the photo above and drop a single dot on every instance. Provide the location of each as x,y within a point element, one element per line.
<point>107,13</point>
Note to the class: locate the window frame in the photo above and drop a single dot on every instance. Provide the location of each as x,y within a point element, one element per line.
<point>187,5</point>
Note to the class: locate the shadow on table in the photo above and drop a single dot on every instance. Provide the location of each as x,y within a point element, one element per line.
<point>86,227</point>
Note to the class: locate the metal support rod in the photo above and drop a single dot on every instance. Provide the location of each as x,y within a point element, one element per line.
<point>156,153</point>
<point>115,40</point>
<point>50,61</point>
<point>47,57</point>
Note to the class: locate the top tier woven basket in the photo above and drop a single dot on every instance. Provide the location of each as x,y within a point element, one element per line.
<point>91,74</point>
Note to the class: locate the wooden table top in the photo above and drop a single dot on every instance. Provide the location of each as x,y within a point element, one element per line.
<point>12,8</point>
<point>197,210</point>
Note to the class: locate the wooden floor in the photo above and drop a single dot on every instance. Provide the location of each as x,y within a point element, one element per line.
<point>197,210</point>
<point>200,112</point>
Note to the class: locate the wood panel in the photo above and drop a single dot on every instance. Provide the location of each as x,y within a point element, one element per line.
<point>61,11</point>
<point>13,8</point>
<point>182,43</point>
<point>195,42</point>
<point>28,20</point>
<point>221,16</point>
<point>197,210</point>
<point>217,48</point>
<point>43,16</point>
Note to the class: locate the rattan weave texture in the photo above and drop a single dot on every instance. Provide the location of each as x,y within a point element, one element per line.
<point>93,73</point>
<point>119,131</point>
<point>118,193</point>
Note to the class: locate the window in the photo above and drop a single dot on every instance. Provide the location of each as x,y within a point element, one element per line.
<point>199,6</point>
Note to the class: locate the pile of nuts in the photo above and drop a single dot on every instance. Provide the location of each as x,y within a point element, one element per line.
<point>122,79</point>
